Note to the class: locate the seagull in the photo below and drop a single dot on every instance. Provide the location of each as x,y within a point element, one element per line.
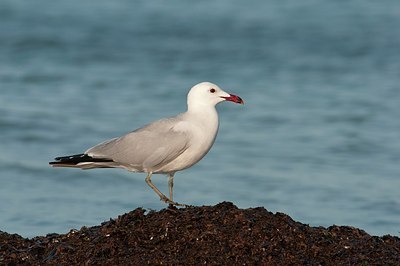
<point>165,146</point>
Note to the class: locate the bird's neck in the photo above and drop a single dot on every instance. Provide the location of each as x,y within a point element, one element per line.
<point>205,115</point>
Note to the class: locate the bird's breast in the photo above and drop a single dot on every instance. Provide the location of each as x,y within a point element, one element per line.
<point>203,134</point>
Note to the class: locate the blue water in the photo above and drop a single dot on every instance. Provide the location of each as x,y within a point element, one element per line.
<point>318,137</point>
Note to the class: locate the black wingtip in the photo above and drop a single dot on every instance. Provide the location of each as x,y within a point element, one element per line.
<point>77,158</point>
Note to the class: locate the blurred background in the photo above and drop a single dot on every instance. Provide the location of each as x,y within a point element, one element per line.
<point>318,137</point>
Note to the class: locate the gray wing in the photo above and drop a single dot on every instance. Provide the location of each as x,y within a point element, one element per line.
<point>151,146</point>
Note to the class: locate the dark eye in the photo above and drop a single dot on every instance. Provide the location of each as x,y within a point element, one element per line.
<point>212,90</point>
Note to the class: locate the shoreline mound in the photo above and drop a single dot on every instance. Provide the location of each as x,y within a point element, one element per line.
<point>216,235</point>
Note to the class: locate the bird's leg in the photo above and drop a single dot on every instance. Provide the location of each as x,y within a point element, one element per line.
<point>171,185</point>
<point>159,193</point>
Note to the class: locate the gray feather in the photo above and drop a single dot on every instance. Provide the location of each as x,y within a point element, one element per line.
<point>147,147</point>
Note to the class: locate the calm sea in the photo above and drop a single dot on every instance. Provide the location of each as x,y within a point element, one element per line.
<point>318,137</point>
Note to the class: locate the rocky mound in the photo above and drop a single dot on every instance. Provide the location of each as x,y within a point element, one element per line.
<point>218,235</point>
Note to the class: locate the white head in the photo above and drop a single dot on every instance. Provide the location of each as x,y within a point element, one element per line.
<point>209,94</point>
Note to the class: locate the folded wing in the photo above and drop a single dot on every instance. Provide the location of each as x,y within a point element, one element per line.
<point>147,148</point>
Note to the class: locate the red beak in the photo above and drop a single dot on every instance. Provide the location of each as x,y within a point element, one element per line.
<point>233,98</point>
